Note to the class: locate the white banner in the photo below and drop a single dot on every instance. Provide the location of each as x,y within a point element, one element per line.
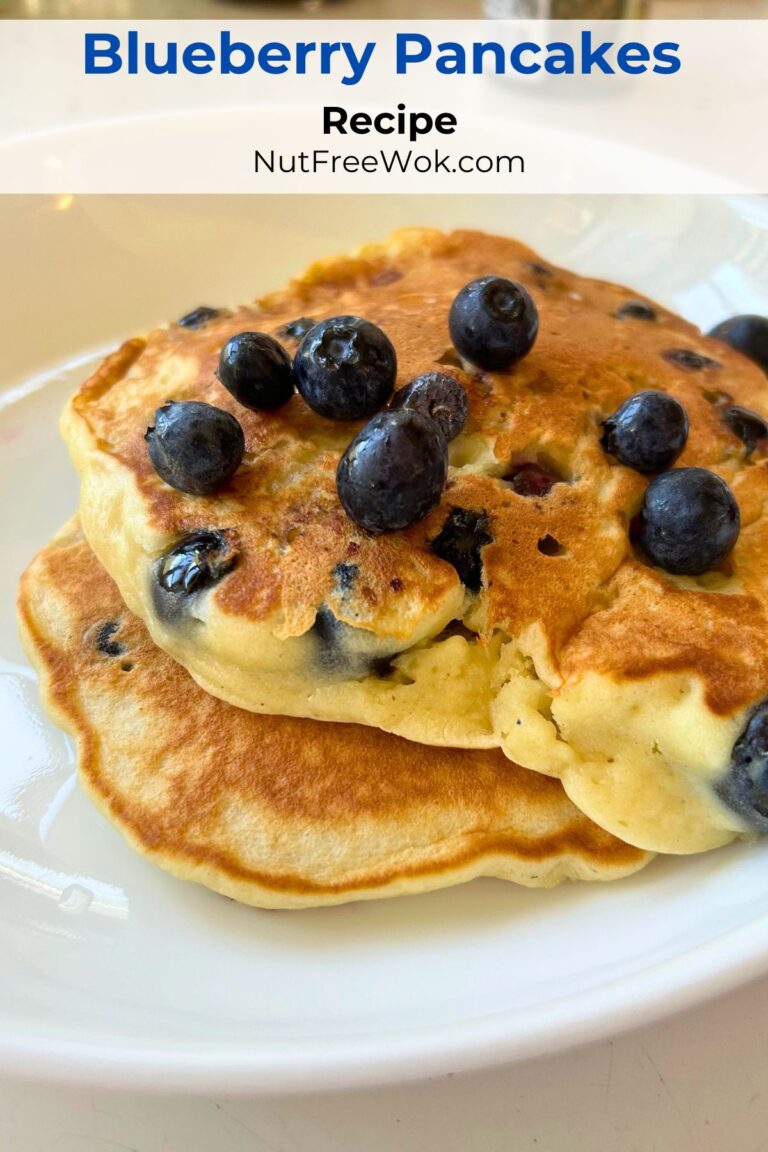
<point>383,106</point>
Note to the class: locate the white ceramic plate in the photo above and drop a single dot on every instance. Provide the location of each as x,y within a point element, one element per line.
<point>112,971</point>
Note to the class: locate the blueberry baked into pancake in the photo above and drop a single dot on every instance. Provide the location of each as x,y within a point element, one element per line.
<point>270,810</point>
<point>444,489</point>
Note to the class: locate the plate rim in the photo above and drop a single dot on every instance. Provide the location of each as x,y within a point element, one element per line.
<point>324,1065</point>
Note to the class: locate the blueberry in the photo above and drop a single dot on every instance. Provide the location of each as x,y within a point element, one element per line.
<point>532,479</point>
<point>748,426</point>
<point>345,576</point>
<point>648,432</point>
<point>195,447</point>
<point>549,545</point>
<point>439,396</point>
<point>748,334</point>
<point>104,641</point>
<point>745,787</point>
<point>393,472</point>
<point>195,562</point>
<point>295,329</point>
<point>460,541</point>
<point>635,310</point>
<point>256,370</point>
<point>691,361</point>
<point>689,521</point>
<point>493,322</point>
<point>341,650</point>
<point>345,368</point>
<point>198,317</point>
<point>328,633</point>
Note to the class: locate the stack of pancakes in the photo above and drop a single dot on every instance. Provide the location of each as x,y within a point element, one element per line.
<point>316,714</point>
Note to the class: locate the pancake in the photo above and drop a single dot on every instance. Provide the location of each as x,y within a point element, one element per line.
<point>274,811</point>
<point>567,650</point>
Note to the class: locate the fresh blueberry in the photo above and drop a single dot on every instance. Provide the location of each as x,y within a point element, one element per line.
<point>460,542</point>
<point>493,322</point>
<point>195,447</point>
<point>295,329</point>
<point>532,479</point>
<point>345,368</point>
<point>330,651</point>
<point>748,426</point>
<point>393,472</point>
<point>691,361</point>
<point>439,396</point>
<point>256,370</point>
<point>648,432</point>
<point>198,317</point>
<point>748,334</point>
<point>689,521</point>
<point>195,562</point>
<point>635,310</point>
<point>745,787</point>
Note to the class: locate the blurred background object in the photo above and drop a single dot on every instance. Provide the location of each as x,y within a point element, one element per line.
<point>382,9</point>
<point>566,9</point>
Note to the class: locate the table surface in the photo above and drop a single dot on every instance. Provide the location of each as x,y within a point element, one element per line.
<point>695,1083</point>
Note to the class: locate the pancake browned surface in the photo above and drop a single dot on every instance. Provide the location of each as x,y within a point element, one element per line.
<point>575,657</point>
<point>280,812</point>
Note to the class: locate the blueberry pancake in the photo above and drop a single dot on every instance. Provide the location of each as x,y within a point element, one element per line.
<point>273,811</point>
<point>448,490</point>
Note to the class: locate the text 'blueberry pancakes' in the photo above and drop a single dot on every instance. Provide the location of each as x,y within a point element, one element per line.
<point>468,498</point>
